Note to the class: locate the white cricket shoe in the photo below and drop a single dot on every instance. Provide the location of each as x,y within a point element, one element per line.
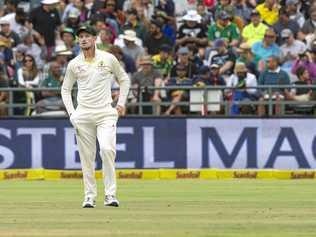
<point>111,201</point>
<point>88,202</point>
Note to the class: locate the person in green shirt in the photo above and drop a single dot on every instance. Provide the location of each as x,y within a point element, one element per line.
<point>224,29</point>
<point>51,100</point>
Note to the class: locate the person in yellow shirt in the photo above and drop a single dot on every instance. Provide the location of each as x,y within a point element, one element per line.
<point>255,30</point>
<point>269,11</point>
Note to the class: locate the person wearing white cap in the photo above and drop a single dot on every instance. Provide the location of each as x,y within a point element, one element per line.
<point>94,118</point>
<point>131,48</point>
<point>8,33</point>
<point>191,31</point>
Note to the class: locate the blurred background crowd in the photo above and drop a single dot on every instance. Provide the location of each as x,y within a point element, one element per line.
<point>168,44</point>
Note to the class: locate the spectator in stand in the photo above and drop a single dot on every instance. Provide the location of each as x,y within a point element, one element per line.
<point>126,61</point>
<point>184,59</point>
<point>28,75</point>
<point>133,23</point>
<point>166,6</point>
<point>45,20</point>
<point>51,100</point>
<point>307,60</point>
<point>192,31</point>
<point>274,76</point>
<point>222,56</point>
<point>105,39</point>
<point>72,20</point>
<point>224,29</point>
<point>246,56</point>
<point>242,9</point>
<point>131,48</point>
<point>9,34</point>
<point>269,11</point>
<point>168,26</point>
<point>17,20</point>
<point>78,8</point>
<point>291,50</point>
<point>283,23</point>
<point>255,30</point>
<point>301,94</point>
<point>147,76</point>
<point>209,76</point>
<point>178,95</point>
<point>3,95</point>
<point>266,48</point>
<point>155,39</point>
<point>61,56</point>
<point>38,51</point>
<point>69,39</point>
<point>243,82</point>
<point>163,61</point>
<point>207,16</point>
<point>309,25</point>
<point>292,8</point>
<point>6,50</point>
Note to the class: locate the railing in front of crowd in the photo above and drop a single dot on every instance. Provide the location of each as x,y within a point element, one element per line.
<point>196,101</point>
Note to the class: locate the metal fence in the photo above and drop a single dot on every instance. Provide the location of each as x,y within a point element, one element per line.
<point>203,100</point>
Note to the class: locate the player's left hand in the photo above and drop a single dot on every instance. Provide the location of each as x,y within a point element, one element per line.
<point>120,110</point>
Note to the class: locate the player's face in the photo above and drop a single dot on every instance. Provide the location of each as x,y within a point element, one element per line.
<point>86,41</point>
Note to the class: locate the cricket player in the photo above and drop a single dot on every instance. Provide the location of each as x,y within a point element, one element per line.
<point>94,117</point>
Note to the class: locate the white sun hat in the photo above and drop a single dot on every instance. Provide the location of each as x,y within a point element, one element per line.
<point>192,15</point>
<point>130,35</point>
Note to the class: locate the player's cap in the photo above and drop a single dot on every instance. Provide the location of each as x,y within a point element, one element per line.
<point>87,28</point>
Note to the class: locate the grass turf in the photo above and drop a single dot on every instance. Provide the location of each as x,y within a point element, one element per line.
<point>161,208</point>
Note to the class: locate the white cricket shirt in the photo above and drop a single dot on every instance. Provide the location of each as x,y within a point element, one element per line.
<point>94,79</point>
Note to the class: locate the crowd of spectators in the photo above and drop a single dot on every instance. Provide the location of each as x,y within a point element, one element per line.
<point>171,44</point>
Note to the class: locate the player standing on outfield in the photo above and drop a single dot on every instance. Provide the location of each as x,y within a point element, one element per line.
<point>95,118</point>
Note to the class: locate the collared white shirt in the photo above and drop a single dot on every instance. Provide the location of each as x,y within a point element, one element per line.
<point>94,79</point>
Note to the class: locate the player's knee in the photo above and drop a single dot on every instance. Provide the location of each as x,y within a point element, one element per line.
<point>106,152</point>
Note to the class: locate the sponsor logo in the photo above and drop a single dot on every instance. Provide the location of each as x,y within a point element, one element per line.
<point>130,175</point>
<point>188,175</point>
<point>72,175</point>
<point>15,175</point>
<point>247,174</point>
<point>303,175</point>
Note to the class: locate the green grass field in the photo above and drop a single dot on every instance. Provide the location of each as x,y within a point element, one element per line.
<point>161,208</point>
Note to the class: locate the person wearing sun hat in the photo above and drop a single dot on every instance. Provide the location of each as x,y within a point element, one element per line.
<point>192,31</point>
<point>131,48</point>
<point>148,76</point>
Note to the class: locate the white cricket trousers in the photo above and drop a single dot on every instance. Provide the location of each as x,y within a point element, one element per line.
<point>91,124</point>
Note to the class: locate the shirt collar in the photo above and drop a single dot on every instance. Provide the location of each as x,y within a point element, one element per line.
<point>277,70</point>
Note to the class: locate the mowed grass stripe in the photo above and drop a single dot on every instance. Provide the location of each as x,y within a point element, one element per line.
<point>161,208</point>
